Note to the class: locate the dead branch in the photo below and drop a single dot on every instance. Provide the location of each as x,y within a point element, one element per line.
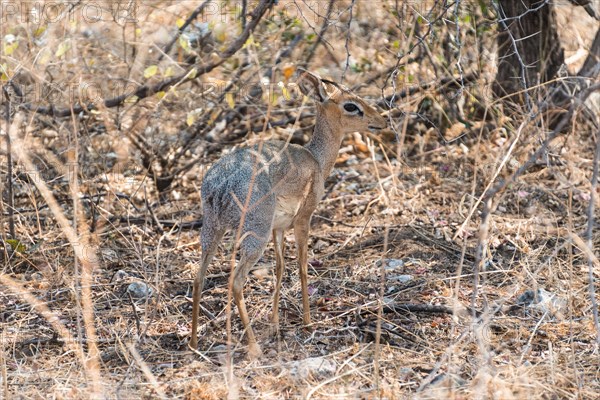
<point>589,235</point>
<point>321,34</point>
<point>444,83</point>
<point>146,90</point>
<point>488,204</point>
<point>414,308</point>
<point>9,173</point>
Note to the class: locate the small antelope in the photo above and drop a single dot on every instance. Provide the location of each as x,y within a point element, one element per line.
<point>273,186</point>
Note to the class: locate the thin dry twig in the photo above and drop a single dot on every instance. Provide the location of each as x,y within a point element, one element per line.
<point>147,90</point>
<point>9,165</point>
<point>182,28</point>
<point>321,34</point>
<point>590,232</point>
<point>489,206</point>
<point>146,370</point>
<point>84,251</point>
<point>380,311</point>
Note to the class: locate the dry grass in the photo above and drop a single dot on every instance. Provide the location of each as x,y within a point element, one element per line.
<point>410,195</point>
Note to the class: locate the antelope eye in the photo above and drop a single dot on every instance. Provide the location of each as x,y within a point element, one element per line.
<point>351,107</point>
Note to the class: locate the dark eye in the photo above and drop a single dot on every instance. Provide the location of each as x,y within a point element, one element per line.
<point>351,107</point>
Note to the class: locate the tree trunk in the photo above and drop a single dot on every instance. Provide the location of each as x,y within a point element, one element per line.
<point>529,51</point>
<point>591,66</point>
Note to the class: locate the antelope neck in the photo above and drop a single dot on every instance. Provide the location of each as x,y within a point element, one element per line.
<point>325,143</point>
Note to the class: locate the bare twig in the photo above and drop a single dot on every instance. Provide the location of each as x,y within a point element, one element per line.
<point>146,370</point>
<point>243,12</point>
<point>3,370</point>
<point>382,286</point>
<point>489,207</point>
<point>347,41</point>
<point>321,34</point>
<point>430,22</point>
<point>50,316</point>
<point>589,235</point>
<point>136,316</point>
<point>187,22</point>
<point>449,82</point>
<point>9,172</point>
<point>83,249</point>
<point>145,91</point>
<point>424,308</point>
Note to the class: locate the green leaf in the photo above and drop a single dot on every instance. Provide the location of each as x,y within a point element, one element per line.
<point>150,71</point>
<point>250,42</point>
<point>192,74</point>
<point>191,118</point>
<point>3,72</point>
<point>39,31</point>
<point>10,48</point>
<point>63,48</point>
<point>230,99</point>
<point>16,245</point>
<point>285,92</point>
<point>185,44</point>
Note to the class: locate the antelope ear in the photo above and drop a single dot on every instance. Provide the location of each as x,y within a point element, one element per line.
<point>312,86</point>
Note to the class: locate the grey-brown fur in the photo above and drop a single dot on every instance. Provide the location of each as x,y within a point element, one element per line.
<point>284,183</point>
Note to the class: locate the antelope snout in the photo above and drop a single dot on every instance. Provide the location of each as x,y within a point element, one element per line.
<point>377,125</point>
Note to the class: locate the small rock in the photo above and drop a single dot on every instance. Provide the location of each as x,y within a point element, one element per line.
<point>391,264</point>
<point>320,245</point>
<point>140,290</point>
<point>315,367</point>
<point>388,300</point>
<point>119,276</point>
<point>37,276</point>
<point>220,348</point>
<point>352,160</point>
<point>109,255</point>
<point>542,300</point>
<point>261,273</point>
<point>272,353</point>
<point>402,278</point>
<point>405,373</point>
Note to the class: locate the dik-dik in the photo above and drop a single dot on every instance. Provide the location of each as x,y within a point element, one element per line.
<point>261,191</point>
